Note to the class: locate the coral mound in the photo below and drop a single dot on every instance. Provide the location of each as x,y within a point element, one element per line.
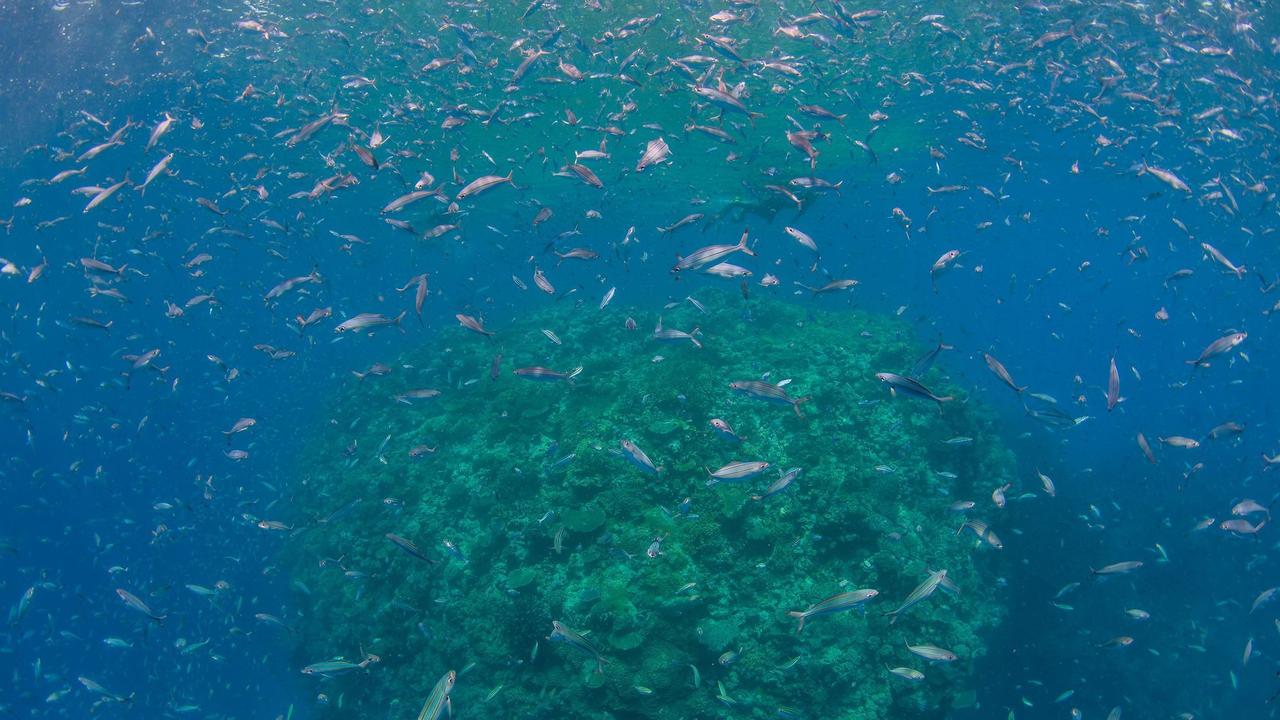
<point>527,511</point>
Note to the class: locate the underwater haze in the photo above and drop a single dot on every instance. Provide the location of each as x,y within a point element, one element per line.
<point>639,360</point>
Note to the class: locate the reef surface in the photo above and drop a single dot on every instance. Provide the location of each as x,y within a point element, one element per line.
<point>521,509</point>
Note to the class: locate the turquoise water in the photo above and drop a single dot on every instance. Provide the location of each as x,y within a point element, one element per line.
<point>275,447</point>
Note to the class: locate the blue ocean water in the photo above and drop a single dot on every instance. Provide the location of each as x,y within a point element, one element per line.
<point>1044,119</point>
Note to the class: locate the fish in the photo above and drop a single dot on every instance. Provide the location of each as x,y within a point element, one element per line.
<point>834,604</point>
<point>289,284</point>
<point>408,396</point>
<point>931,652</point>
<point>481,184</point>
<point>637,457</point>
<point>1164,176</point>
<point>833,286</point>
<point>768,392</point>
<point>541,373</point>
<point>1119,568</point>
<point>906,673</point>
<point>780,485</point>
<point>367,321</point>
<point>134,602</point>
<point>673,335</point>
<point>160,167</point>
<point>1218,257</point>
<point>944,262</point>
<point>1113,386</point>
<point>705,256</point>
<point>472,324</point>
<point>897,383</point>
<point>102,195</point>
<point>439,703</point>
<point>560,633</point>
<point>406,200</point>
<point>98,689</point>
<point>801,237</point>
<point>409,548</point>
<point>998,368</point>
<point>1224,344</point>
<point>983,532</point>
<point>736,471</point>
<point>334,668</point>
<point>923,591</point>
<point>655,152</point>
<point>723,429</point>
<point>239,426</point>
<point>1049,488</point>
<point>724,100</point>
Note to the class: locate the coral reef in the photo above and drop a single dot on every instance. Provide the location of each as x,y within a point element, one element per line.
<point>528,512</point>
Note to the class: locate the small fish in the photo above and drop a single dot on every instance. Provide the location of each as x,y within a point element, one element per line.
<point>137,604</point>
<point>931,652</point>
<point>904,384</point>
<point>1119,568</point>
<point>1222,345</point>
<point>769,392</point>
<point>409,548</point>
<point>560,633</point>
<point>834,604</point>
<point>735,471</point>
<point>906,673</point>
<point>637,457</point>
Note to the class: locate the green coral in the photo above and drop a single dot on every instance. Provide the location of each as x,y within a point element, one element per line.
<point>542,536</point>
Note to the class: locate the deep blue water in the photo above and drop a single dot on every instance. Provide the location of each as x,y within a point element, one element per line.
<point>91,449</point>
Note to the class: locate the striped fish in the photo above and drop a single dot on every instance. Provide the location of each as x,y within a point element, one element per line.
<point>834,604</point>
<point>736,470</point>
<point>781,484</point>
<point>410,548</point>
<point>983,532</point>
<point>711,254</point>
<point>541,373</point>
<point>898,383</point>
<point>633,453</point>
<point>923,591</point>
<point>438,703</point>
<point>762,390</point>
<point>930,652</point>
<point>562,634</point>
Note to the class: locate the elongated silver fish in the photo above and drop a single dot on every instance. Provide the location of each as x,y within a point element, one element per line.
<point>637,457</point>
<point>734,471</point>
<point>900,383</point>
<point>136,603</point>
<point>560,633</point>
<point>834,604</point>
<point>712,254</point>
<point>762,390</point>
<point>438,703</point>
<point>931,652</point>
<point>922,592</point>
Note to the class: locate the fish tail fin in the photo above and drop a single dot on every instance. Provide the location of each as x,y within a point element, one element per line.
<point>574,373</point>
<point>798,402</point>
<point>400,317</point>
<point>800,617</point>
